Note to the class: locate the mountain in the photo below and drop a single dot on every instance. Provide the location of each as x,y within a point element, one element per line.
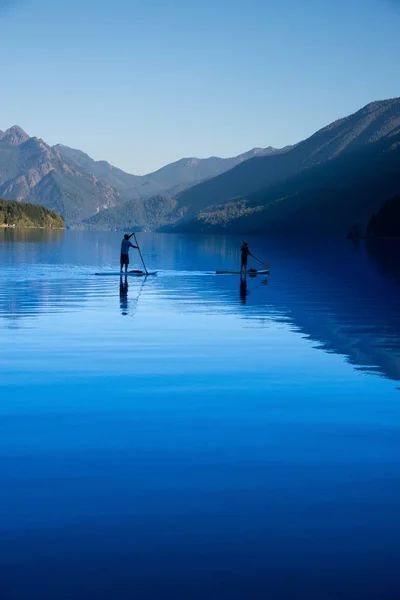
<point>367,126</point>
<point>323,184</point>
<point>169,180</point>
<point>186,172</point>
<point>110,175</point>
<point>146,215</point>
<point>328,199</point>
<point>14,136</point>
<point>78,187</point>
<point>32,171</point>
<point>22,214</point>
<point>327,183</point>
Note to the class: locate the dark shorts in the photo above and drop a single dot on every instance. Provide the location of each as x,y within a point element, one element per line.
<point>124,259</point>
<point>244,261</point>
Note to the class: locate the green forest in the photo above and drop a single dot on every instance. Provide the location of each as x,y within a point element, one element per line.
<point>22,214</point>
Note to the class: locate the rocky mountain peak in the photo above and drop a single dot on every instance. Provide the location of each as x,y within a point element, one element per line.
<point>14,136</point>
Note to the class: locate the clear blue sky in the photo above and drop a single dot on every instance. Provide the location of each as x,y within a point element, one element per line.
<point>141,83</point>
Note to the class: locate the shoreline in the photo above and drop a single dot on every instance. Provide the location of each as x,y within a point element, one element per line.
<point>4,226</point>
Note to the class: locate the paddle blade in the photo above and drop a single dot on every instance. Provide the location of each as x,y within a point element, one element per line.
<point>261,262</point>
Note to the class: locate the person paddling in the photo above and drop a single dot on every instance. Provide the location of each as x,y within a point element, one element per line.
<point>125,245</point>
<point>245,252</point>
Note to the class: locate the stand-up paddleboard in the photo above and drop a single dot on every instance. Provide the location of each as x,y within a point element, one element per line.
<point>242,272</point>
<point>123,274</point>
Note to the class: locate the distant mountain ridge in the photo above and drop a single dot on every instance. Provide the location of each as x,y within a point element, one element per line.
<point>102,169</point>
<point>72,183</point>
<point>368,125</point>
<point>338,176</point>
<point>169,180</point>
<point>327,199</point>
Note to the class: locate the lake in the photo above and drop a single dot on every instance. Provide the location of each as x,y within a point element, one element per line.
<point>189,436</point>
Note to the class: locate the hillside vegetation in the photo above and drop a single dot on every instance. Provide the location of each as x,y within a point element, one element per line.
<point>22,214</point>
<point>137,214</point>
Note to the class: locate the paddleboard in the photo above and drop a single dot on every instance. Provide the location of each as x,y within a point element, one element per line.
<point>132,273</point>
<point>242,272</point>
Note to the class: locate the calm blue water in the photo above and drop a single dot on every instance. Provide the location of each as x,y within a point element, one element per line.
<point>187,437</point>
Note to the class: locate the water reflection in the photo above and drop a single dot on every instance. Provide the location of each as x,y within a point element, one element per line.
<point>205,435</point>
<point>21,300</point>
<point>123,294</point>
<point>128,306</point>
<point>344,301</point>
<point>385,254</point>
<point>243,289</point>
<point>28,235</point>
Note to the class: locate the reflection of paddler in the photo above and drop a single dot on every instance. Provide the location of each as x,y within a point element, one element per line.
<point>123,294</point>
<point>243,290</point>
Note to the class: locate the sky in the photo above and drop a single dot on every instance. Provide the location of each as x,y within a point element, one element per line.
<point>142,83</point>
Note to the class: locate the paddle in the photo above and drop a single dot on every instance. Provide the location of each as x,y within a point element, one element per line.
<point>140,254</point>
<point>260,261</point>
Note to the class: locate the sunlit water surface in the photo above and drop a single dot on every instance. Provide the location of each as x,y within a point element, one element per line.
<point>191,437</point>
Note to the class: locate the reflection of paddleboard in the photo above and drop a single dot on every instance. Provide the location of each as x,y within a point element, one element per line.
<point>123,274</point>
<point>242,272</point>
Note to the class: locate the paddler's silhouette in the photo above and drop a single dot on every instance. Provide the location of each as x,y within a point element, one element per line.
<point>123,294</point>
<point>243,289</point>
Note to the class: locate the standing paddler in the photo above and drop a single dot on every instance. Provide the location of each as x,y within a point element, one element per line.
<point>125,245</point>
<point>244,254</point>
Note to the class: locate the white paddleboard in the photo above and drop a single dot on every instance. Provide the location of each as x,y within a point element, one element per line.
<point>130,273</point>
